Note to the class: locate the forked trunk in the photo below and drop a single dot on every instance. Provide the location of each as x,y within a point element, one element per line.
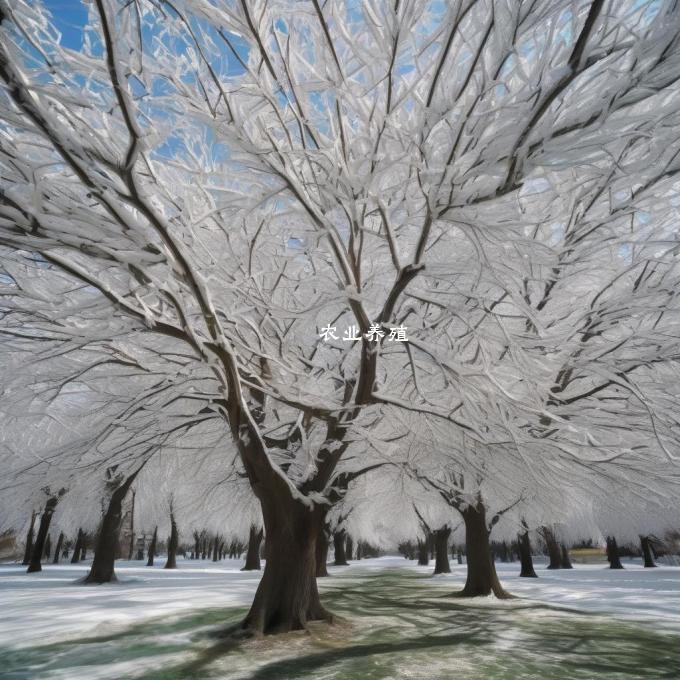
<point>322,554</point>
<point>565,561</point>
<point>287,597</point>
<point>441,540</point>
<point>75,558</point>
<point>613,553</point>
<point>526,561</point>
<point>645,544</point>
<point>57,550</point>
<point>28,550</point>
<point>102,569</point>
<point>340,559</point>
<point>152,548</point>
<point>173,541</point>
<point>39,545</point>
<point>481,579</point>
<point>253,554</point>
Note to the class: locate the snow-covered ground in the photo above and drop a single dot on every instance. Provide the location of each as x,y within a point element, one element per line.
<point>54,628</point>
<point>50,606</point>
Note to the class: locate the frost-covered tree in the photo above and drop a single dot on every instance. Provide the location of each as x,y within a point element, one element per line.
<point>232,179</point>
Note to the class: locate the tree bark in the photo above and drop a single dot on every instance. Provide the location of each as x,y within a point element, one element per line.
<point>553,547</point>
<point>253,554</point>
<point>216,545</point>
<point>481,579</point>
<point>423,553</point>
<point>39,545</point>
<point>171,562</point>
<point>75,558</point>
<point>349,548</point>
<point>131,547</point>
<point>441,539</point>
<point>339,549</point>
<point>28,549</point>
<point>48,547</point>
<point>526,561</point>
<point>287,596</point>
<point>102,569</point>
<point>152,548</point>
<point>613,553</point>
<point>57,550</point>
<point>645,544</point>
<point>321,557</point>
<point>565,560</point>
<point>503,552</point>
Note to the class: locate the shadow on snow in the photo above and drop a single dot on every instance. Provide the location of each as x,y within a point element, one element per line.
<point>393,623</point>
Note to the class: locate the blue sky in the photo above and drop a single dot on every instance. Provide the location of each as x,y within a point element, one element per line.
<point>69,16</point>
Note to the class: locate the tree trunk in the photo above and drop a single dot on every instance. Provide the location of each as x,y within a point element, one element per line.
<point>481,579</point>
<point>321,556</point>
<point>499,551</point>
<point>102,569</point>
<point>554,552</point>
<point>613,553</point>
<point>441,539</point>
<point>48,547</point>
<point>39,545</point>
<point>423,553</point>
<point>152,548</point>
<point>647,552</point>
<point>339,548</point>
<point>565,560</point>
<point>216,545</point>
<point>131,547</point>
<point>75,558</point>
<point>287,596</point>
<point>526,561</point>
<point>57,550</point>
<point>253,554</point>
<point>173,541</point>
<point>349,548</point>
<point>28,549</point>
